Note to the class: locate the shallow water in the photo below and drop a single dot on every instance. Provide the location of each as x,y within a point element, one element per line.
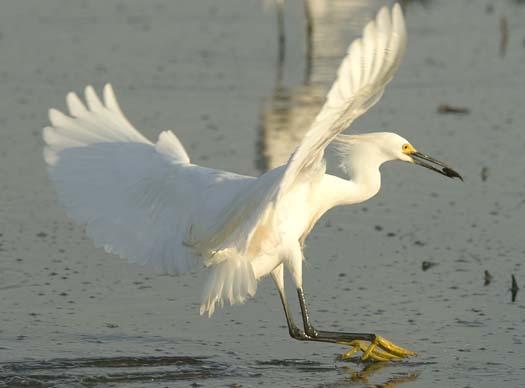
<point>71,315</point>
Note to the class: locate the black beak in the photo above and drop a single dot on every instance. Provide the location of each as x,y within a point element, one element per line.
<point>436,165</point>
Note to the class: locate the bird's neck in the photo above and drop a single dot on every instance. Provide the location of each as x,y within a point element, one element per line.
<point>365,183</point>
<point>362,160</point>
<point>334,191</point>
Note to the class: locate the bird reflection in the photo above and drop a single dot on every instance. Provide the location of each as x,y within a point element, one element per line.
<point>406,3</point>
<point>285,119</point>
<point>296,100</point>
<point>362,377</point>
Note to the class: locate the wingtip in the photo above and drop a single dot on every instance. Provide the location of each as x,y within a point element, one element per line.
<point>108,89</point>
<point>397,13</point>
<point>50,149</point>
<point>110,100</point>
<point>89,89</point>
<point>398,22</point>
<point>71,96</point>
<point>207,308</point>
<point>92,99</point>
<point>51,115</point>
<point>89,92</point>
<point>74,104</point>
<point>370,30</point>
<point>396,7</point>
<point>383,13</point>
<point>46,132</point>
<point>50,156</point>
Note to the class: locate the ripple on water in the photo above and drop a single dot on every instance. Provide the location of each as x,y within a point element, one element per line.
<point>110,370</point>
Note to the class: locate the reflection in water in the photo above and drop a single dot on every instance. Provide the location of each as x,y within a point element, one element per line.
<point>284,122</point>
<point>298,365</point>
<point>405,3</point>
<point>362,377</point>
<point>287,115</point>
<point>281,36</point>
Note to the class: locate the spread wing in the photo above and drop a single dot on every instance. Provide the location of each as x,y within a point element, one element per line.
<point>134,197</point>
<point>369,65</point>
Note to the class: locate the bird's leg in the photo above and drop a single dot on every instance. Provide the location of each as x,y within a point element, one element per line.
<point>331,335</point>
<point>372,345</point>
<point>308,328</point>
<point>294,331</point>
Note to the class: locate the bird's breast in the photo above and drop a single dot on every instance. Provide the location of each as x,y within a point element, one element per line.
<point>299,211</point>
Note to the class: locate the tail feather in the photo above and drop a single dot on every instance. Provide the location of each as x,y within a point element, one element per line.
<point>231,281</point>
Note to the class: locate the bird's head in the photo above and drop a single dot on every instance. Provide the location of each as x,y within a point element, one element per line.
<point>387,146</point>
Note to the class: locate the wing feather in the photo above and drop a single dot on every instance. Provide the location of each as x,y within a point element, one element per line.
<point>362,76</point>
<point>75,106</point>
<point>382,53</point>
<point>136,198</point>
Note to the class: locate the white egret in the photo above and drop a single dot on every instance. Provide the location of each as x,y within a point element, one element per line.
<point>147,202</point>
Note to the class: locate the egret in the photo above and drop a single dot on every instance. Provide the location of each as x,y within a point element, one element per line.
<point>148,203</point>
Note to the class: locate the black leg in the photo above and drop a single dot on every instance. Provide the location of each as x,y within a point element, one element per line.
<point>294,331</point>
<point>379,348</point>
<point>308,328</point>
<point>311,334</point>
<point>327,336</point>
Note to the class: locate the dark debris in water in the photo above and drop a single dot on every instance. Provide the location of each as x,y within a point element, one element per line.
<point>487,278</point>
<point>449,109</point>
<point>504,36</point>
<point>484,174</point>
<point>426,265</point>
<point>514,289</point>
<point>305,365</point>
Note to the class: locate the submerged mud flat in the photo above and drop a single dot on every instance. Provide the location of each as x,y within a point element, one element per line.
<point>411,264</point>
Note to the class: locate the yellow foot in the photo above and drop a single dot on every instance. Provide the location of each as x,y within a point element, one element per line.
<point>380,349</point>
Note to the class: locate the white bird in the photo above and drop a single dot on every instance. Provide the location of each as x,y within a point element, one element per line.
<point>148,203</point>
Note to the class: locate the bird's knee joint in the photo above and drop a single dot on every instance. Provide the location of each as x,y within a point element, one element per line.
<point>298,334</point>
<point>311,332</point>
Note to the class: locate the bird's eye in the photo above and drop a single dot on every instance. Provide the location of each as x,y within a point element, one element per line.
<point>406,147</point>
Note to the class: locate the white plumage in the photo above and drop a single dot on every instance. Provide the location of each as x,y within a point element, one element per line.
<point>148,203</point>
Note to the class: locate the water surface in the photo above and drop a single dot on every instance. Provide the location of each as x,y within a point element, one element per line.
<point>71,315</point>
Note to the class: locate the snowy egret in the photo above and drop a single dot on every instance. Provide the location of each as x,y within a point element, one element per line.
<point>147,202</point>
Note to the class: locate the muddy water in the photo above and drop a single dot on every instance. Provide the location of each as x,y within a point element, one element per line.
<point>71,315</point>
